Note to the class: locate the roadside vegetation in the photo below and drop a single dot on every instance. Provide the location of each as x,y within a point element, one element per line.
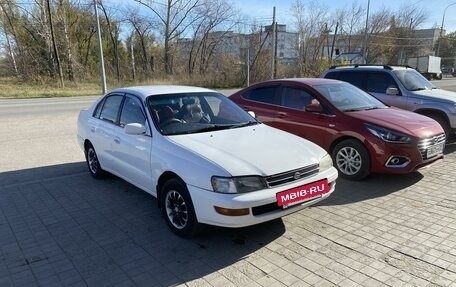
<point>50,47</point>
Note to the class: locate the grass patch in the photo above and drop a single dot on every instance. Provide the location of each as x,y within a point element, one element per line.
<point>13,89</point>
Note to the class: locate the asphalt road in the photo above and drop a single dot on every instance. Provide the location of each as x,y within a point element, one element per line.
<point>447,83</point>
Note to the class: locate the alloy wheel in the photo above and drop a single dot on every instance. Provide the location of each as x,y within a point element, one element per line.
<point>349,161</point>
<point>92,160</point>
<point>176,209</point>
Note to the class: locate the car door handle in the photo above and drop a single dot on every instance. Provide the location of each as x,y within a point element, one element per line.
<point>92,129</point>
<point>117,140</point>
<point>281,115</point>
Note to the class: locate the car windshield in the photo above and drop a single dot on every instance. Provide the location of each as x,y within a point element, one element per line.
<point>412,80</point>
<point>347,98</point>
<point>187,113</point>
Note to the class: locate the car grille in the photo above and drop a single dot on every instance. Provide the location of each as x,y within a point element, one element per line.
<point>423,144</point>
<point>290,176</point>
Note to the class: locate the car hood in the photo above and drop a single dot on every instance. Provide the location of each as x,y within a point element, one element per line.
<point>437,94</point>
<point>400,120</point>
<point>253,150</point>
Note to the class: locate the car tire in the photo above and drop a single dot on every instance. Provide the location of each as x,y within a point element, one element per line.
<point>443,123</point>
<point>351,159</point>
<point>178,210</point>
<point>93,164</point>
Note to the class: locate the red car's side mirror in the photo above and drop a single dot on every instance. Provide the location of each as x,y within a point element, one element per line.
<point>314,108</point>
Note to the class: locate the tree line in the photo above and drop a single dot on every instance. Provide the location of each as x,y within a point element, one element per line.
<point>56,40</point>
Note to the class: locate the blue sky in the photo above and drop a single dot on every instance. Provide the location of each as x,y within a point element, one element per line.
<point>262,9</point>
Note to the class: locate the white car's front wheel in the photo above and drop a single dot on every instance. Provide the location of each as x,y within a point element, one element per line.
<point>177,208</point>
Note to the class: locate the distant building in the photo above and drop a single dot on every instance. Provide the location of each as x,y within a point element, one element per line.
<point>340,47</point>
<point>287,43</point>
<point>348,45</point>
<point>350,58</point>
<point>235,44</point>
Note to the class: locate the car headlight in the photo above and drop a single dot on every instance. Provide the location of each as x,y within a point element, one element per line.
<point>325,163</point>
<point>240,184</point>
<point>388,135</point>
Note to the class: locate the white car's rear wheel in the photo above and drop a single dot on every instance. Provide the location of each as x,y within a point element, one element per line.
<point>93,164</point>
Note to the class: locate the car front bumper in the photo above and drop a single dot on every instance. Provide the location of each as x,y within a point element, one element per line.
<point>262,204</point>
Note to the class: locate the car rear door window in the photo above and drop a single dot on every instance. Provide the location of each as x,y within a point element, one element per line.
<point>353,78</point>
<point>266,95</point>
<point>110,109</point>
<point>332,75</point>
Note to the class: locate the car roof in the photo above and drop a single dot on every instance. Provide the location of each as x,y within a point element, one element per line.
<point>145,91</point>
<point>307,81</point>
<point>368,66</point>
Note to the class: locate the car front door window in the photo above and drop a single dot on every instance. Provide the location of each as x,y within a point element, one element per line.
<point>132,112</point>
<point>379,83</point>
<point>296,98</point>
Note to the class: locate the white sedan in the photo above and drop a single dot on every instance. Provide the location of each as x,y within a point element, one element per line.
<point>205,159</point>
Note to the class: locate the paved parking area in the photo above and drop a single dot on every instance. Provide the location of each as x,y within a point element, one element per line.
<point>60,227</point>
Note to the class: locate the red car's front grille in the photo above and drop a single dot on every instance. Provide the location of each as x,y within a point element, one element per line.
<point>424,144</point>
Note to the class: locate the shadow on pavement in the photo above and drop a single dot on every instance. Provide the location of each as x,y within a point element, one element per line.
<point>375,185</point>
<point>40,173</point>
<point>450,146</point>
<point>107,232</point>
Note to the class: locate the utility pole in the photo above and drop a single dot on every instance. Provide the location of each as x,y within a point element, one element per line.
<point>133,65</point>
<point>247,60</point>
<point>54,45</point>
<point>365,31</point>
<point>273,27</point>
<point>100,50</point>
<point>334,40</point>
<point>441,28</point>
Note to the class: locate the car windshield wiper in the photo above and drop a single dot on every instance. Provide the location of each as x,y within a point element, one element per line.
<point>363,109</point>
<point>210,128</point>
<point>418,89</point>
<point>355,109</point>
<point>374,108</point>
<point>249,123</point>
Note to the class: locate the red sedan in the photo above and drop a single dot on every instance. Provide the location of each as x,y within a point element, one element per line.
<point>362,134</point>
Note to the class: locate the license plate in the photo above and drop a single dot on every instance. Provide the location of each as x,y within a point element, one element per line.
<point>434,150</point>
<point>302,193</point>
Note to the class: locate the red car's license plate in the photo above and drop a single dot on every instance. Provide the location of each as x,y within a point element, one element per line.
<point>302,193</point>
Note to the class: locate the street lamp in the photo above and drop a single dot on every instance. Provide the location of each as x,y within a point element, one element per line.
<point>441,27</point>
<point>100,50</point>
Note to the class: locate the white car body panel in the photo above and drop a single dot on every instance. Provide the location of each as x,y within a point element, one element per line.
<point>195,158</point>
<point>238,152</point>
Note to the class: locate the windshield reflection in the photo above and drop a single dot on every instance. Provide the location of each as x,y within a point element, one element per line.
<point>413,81</point>
<point>187,113</point>
<point>348,98</point>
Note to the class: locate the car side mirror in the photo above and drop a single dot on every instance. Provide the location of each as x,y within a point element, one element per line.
<point>252,113</point>
<point>314,108</point>
<point>392,91</point>
<point>135,129</point>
